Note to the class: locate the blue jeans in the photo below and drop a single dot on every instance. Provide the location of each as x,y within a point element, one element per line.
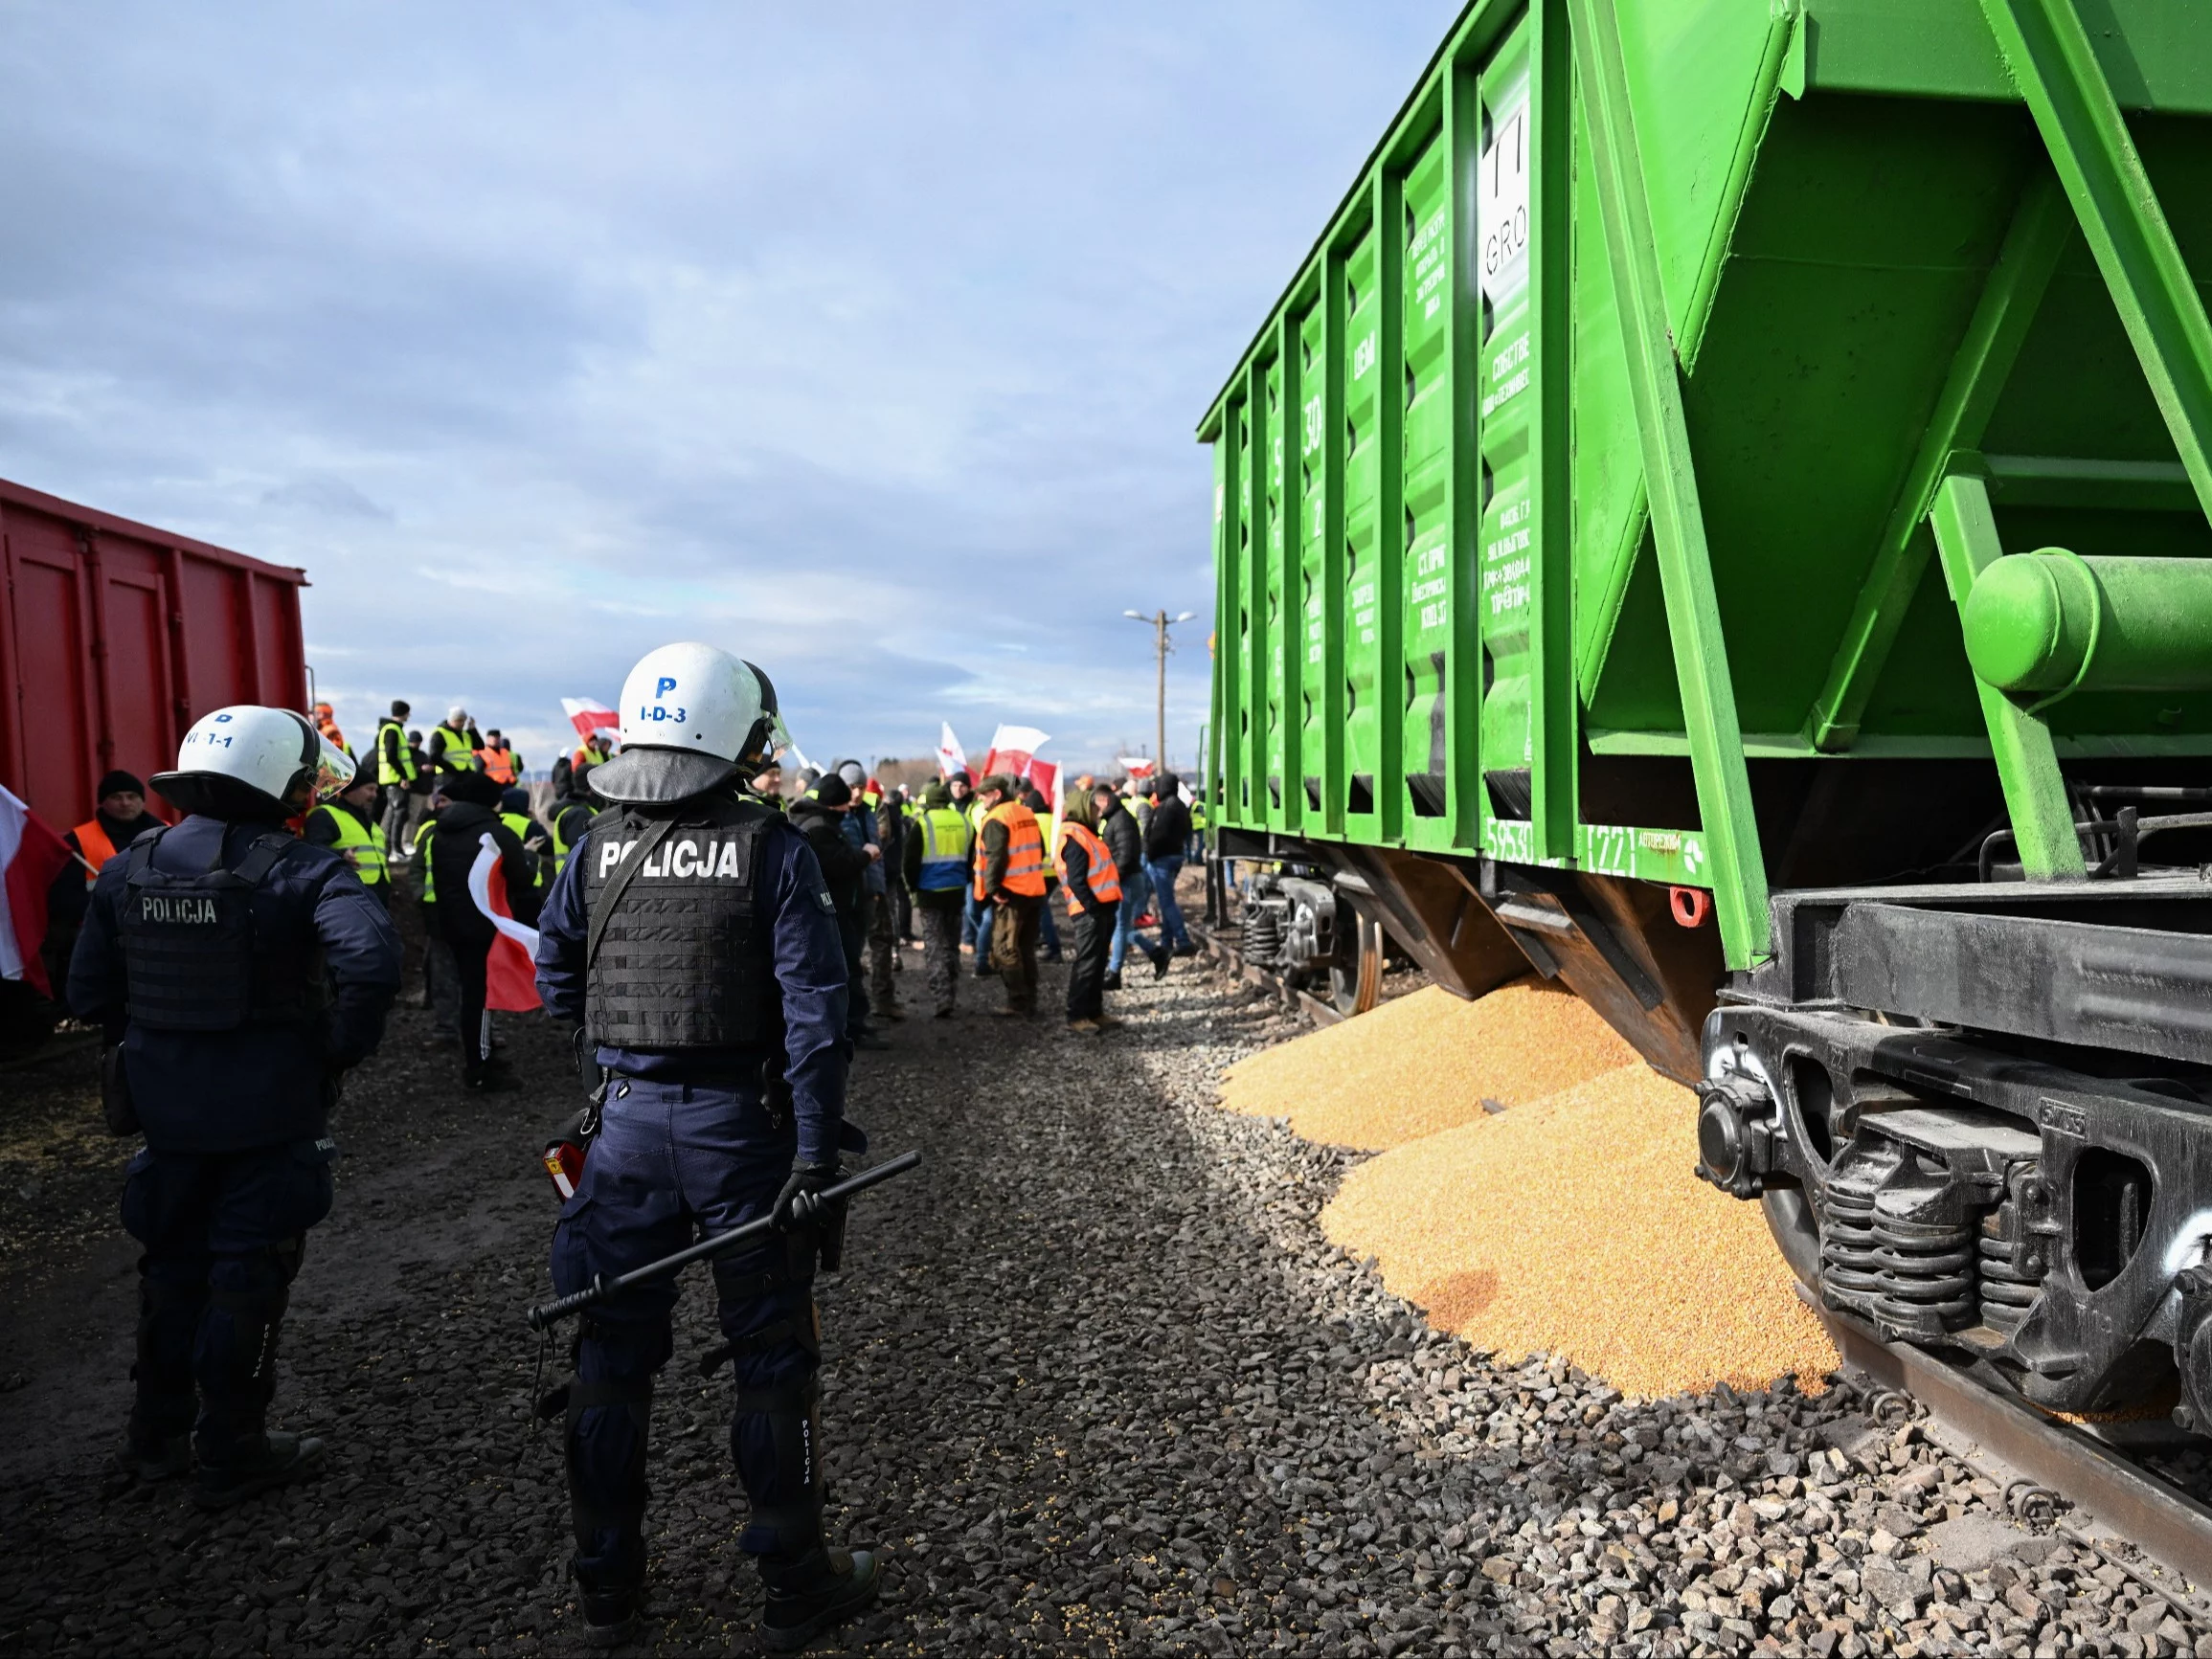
<point>1134,891</point>
<point>1162,874</point>
<point>976,925</point>
<point>673,1161</point>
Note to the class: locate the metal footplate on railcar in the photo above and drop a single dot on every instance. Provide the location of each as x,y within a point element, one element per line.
<point>1980,1117</point>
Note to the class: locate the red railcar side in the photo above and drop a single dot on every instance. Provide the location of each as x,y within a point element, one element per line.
<point>116,635</point>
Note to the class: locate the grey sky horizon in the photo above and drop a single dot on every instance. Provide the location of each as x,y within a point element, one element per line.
<point>867,343</point>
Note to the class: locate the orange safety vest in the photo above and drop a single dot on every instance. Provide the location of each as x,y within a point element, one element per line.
<point>1024,851</point>
<point>1105,875</point>
<point>93,843</point>
<point>498,765</point>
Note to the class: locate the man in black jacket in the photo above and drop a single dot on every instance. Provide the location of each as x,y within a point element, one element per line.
<point>1165,839</point>
<point>819,815</point>
<point>470,814</point>
<point>119,818</point>
<point>1125,839</point>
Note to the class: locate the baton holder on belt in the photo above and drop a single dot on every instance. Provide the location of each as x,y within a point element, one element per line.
<point>545,1315</point>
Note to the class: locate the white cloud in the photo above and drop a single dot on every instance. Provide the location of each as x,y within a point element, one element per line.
<point>867,341</point>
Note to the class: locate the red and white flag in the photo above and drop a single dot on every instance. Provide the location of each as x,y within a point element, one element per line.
<point>1046,775</point>
<point>591,717</point>
<point>510,971</point>
<point>951,756</point>
<point>31,857</point>
<point>1013,749</point>
<point>1138,765</point>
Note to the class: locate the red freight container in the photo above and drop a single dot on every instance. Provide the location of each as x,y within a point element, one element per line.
<point>115,637</point>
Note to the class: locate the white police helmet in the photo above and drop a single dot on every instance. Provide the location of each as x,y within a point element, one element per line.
<point>694,716</point>
<point>250,762</point>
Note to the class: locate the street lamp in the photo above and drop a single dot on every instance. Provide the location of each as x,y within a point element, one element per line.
<point>1161,623</point>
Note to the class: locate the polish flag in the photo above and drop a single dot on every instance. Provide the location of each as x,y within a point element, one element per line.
<point>951,756</point>
<point>1012,747</point>
<point>1046,775</point>
<point>1138,765</point>
<point>590,718</point>
<point>31,857</point>
<point>510,972</point>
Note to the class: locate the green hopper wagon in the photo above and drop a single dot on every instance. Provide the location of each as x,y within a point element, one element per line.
<point>1719,518</point>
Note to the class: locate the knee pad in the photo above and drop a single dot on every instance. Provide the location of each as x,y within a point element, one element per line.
<point>169,1318</point>
<point>782,1476</point>
<point>605,1457</point>
<point>776,1281</point>
<point>245,1365</point>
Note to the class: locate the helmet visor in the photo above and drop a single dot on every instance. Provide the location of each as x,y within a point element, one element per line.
<point>332,767</point>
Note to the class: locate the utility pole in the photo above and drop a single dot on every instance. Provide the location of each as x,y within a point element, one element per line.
<point>1161,623</point>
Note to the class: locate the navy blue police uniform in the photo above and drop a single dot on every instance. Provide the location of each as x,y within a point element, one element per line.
<point>712,983</point>
<point>242,970</point>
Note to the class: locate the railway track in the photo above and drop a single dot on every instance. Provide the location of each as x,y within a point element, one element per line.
<point>1217,947</point>
<point>2045,1466</point>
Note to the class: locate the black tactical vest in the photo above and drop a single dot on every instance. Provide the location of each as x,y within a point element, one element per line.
<point>679,953</point>
<point>191,953</point>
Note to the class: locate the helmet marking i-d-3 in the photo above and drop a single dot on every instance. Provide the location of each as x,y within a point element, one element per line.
<point>693,715</point>
<point>250,762</point>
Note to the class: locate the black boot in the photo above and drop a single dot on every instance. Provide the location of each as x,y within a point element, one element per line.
<point>811,1586</point>
<point>159,1444</point>
<point>263,1464</point>
<point>1112,982</point>
<point>810,1593</point>
<point>154,1458</point>
<point>612,1616</point>
<point>607,1494</point>
<point>239,1456</point>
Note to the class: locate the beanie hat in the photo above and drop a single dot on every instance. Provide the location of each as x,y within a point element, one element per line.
<point>472,787</point>
<point>118,783</point>
<point>833,791</point>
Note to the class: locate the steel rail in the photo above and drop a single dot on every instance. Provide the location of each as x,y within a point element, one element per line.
<point>2161,1521</point>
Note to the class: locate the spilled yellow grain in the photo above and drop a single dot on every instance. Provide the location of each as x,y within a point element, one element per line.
<point>1426,1063</point>
<point>1574,1226</point>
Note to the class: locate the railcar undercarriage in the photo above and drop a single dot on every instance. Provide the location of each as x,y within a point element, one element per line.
<point>1977,1118</point>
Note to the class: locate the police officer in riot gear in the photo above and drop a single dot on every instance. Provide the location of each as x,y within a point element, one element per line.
<point>237,972</point>
<point>692,935</point>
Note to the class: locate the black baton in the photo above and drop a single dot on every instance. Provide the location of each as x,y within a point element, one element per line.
<point>546,1313</point>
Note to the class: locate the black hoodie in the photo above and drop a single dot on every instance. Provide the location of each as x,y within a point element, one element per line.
<point>461,825</point>
<point>843,865</point>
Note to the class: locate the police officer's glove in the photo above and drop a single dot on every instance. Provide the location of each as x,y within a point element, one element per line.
<point>799,1203</point>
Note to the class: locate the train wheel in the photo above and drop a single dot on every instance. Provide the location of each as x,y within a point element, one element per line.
<point>1356,972</point>
<point>1796,1231</point>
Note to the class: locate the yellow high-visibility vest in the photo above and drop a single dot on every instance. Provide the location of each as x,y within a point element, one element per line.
<point>361,847</point>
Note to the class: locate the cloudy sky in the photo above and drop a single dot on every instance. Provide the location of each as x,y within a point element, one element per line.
<point>866,341</point>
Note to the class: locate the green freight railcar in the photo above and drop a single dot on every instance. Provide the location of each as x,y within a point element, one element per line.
<point>1719,517</point>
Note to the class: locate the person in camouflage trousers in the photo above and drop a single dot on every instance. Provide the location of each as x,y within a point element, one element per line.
<point>935,863</point>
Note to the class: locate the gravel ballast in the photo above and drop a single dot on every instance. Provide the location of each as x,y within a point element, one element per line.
<point>1095,1377</point>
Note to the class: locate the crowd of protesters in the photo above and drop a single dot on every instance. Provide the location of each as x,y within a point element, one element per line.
<point>972,873</point>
